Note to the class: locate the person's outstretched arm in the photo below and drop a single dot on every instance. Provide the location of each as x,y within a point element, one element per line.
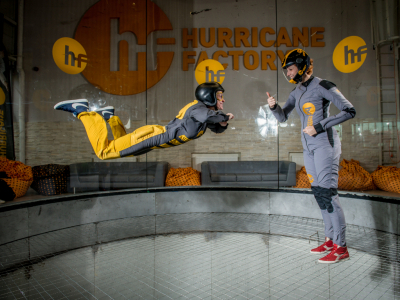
<point>205,115</point>
<point>281,114</point>
<point>221,126</point>
<point>217,121</point>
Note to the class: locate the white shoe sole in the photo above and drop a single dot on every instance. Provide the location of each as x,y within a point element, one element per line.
<point>321,252</point>
<point>71,101</point>
<point>327,250</point>
<point>333,262</point>
<point>104,108</point>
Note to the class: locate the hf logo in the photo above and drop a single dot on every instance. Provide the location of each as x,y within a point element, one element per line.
<point>310,178</point>
<point>209,70</point>
<point>108,31</point>
<point>350,54</point>
<point>309,110</point>
<point>69,55</point>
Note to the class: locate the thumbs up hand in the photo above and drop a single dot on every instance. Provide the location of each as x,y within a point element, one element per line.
<point>271,100</point>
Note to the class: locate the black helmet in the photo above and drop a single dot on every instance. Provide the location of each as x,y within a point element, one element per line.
<point>301,59</point>
<point>207,92</point>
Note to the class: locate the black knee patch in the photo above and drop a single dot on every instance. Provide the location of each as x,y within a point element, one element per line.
<point>326,198</point>
<point>314,189</point>
<point>317,195</point>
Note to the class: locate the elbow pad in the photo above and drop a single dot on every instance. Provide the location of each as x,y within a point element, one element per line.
<point>351,111</point>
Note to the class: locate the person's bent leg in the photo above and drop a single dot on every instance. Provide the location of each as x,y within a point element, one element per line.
<point>328,227</point>
<point>340,227</point>
<point>312,175</point>
<point>117,128</point>
<point>327,165</point>
<point>335,214</point>
<point>96,130</point>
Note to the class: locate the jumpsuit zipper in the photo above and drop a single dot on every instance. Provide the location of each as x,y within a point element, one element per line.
<point>304,120</point>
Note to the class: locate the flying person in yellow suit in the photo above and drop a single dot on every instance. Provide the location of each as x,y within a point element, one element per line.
<point>191,123</point>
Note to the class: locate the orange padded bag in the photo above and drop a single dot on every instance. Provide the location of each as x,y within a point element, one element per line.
<point>182,177</point>
<point>387,178</point>
<point>20,176</point>
<point>353,177</point>
<point>302,180</point>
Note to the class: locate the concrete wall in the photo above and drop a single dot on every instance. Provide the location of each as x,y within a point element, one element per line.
<point>90,219</point>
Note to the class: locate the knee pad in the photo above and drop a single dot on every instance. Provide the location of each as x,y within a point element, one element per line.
<point>326,197</point>
<point>314,190</point>
<point>317,195</point>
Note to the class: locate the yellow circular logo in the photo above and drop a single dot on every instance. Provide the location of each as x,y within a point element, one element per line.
<point>2,97</point>
<point>310,178</point>
<point>69,55</point>
<point>309,108</point>
<point>209,70</point>
<point>350,54</point>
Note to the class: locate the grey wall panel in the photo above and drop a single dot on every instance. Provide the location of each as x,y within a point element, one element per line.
<point>107,213</point>
<point>299,205</point>
<point>14,225</point>
<point>66,214</point>
<point>372,214</point>
<point>212,222</point>
<point>125,228</point>
<point>212,201</point>
<point>61,240</point>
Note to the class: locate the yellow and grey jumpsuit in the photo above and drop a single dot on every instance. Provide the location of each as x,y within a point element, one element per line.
<point>191,123</point>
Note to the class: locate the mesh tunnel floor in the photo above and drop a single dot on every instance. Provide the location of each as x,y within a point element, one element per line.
<point>205,265</point>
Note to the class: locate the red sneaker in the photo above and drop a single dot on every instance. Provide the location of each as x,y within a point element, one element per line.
<point>337,254</point>
<point>327,246</point>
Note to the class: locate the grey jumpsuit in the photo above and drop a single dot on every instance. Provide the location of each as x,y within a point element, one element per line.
<point>322,151</point>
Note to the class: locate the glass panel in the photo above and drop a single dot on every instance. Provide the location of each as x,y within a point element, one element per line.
<point>141,58</point>
<point>365,73</point>
<point>251,136</point>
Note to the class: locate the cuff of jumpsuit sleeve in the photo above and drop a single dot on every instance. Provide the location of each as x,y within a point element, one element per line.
<point>274,107</point>
<point>318,128</point>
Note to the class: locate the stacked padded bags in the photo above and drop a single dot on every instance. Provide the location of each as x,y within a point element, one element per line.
<point>183,177</point>
<point>50,179</point>
<point>15,179</point>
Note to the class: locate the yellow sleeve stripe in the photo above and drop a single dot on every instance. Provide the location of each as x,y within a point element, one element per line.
<point>200,133</point>
<point>175,142</point>
<point>182,112</point>
<point>184,139</point>
<point>165,145</point>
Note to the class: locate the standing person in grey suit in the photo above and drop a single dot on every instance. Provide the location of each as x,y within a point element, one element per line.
<point>312,98</point>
